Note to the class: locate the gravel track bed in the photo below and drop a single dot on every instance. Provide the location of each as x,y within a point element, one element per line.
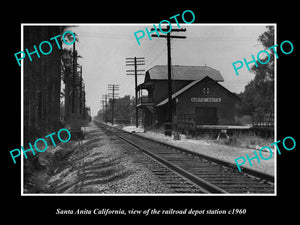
<point>98,164</point>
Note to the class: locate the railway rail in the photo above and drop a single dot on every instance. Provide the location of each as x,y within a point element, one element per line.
<point>192,172</point>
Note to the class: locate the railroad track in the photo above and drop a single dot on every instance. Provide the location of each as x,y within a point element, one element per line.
<point>196,173</point>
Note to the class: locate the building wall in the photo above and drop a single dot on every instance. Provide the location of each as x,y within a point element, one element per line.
<point>161,88</point>
<point>225,101</point>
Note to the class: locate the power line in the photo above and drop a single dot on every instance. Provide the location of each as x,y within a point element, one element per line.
<point>113,88</point>
<point>104,100</point>
<point>136,61</point>
<point>168,125</point>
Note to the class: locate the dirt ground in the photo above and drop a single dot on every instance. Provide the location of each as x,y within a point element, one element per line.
<point>96,164</point>
<point>99,164</point>
<point>219,151</point>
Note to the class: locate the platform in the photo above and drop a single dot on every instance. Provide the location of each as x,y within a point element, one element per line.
<point>223,127</point>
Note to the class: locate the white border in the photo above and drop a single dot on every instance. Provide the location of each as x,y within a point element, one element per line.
<point>145,24</point>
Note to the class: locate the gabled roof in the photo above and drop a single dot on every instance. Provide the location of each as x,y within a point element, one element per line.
<point>160,72</point>
<point>179,92</point>
<point>185,88</point>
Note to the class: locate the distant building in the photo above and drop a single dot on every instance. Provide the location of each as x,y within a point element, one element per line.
<point>197,96</point>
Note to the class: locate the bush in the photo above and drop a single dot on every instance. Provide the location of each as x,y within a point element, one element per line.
<point>243,120</point>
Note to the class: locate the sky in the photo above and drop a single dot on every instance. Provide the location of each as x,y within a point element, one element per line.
<point>104,47</point>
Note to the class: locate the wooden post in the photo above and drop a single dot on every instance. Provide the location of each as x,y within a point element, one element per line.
<point>168,125</point>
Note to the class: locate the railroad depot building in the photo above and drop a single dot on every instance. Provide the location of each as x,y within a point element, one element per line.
<point>197,98</point>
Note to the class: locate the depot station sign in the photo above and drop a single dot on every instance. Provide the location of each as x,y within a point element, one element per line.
<point>206,99</point>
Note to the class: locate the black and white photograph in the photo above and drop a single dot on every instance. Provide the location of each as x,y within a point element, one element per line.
<point>149,111</point>
<point>163,114</point>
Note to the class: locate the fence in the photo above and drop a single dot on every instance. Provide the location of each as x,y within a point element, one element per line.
<point>261,119</point>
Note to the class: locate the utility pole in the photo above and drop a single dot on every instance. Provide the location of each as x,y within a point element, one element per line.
<point>104,98</point>
<point>76,83</point>
<point>74,77</point>
<point>103,105</point>
<point>83,102</point>
<point>76,131</point>
<point>80,92</point>
<point>113,88</point>
<point>136,61</point>
<point>168,125</point>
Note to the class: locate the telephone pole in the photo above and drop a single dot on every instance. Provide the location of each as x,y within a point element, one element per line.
<point>104,100</point>
<point>76,84</point>
<point>81,94</point>
<point>103,105</point>
<point>74,77</point>
<point>83,102</point>
<point>136,61</point>
<point>113,88</point>
<point>168,36</point>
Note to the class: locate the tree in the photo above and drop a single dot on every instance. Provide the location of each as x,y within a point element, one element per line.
<point>124,110</point>
<point>41,85</point>
<point>67,76</point>
<point>259,92</point>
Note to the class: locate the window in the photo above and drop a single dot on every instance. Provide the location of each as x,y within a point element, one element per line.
<point>206,90</point>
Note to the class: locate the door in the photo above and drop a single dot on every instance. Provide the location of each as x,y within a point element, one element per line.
<point>206,116</point>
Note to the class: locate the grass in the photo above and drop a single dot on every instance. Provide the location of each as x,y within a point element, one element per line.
<point>249,140</point>
<point>243,140</point>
